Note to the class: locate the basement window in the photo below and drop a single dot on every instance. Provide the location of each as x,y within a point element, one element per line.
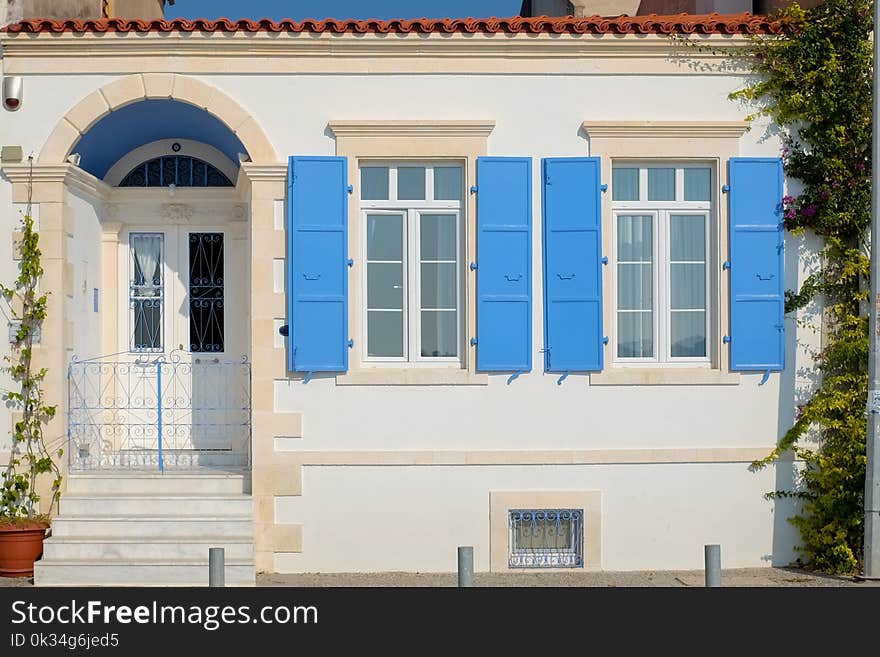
<point>546,538</point>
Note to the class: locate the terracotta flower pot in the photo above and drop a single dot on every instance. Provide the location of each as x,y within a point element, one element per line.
<point>20,546</point>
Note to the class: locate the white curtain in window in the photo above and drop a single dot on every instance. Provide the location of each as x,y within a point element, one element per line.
<point>146,251</point>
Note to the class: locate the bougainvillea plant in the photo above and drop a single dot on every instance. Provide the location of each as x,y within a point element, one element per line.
<point>816,82</point>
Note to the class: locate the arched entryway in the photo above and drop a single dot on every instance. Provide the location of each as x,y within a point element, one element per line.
<point>164,154</point>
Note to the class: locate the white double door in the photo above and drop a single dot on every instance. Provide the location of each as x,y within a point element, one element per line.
<point>184,317</point>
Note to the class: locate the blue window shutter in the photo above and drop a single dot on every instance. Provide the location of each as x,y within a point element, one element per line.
<point>504,259</point>
<point>572,208</point>
<point>317,251</point>
<point>757,299</point>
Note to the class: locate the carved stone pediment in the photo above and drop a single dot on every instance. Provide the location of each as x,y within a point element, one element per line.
<point>177,213</point>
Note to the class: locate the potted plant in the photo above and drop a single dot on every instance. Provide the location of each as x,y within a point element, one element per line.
<point>23,524</point>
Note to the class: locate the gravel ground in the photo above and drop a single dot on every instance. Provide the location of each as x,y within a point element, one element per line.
<point>744,577</point>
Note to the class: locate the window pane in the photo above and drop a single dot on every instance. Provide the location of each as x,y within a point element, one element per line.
<point>688,335</point>
<point>635,238</point>
<point>687,237</point>
<point>384,286</point>
<point>635,287</point>
<point>437,236</point>
<point>374,183</point>
<point>438,285</point>
<point>635,335</point>
<point>697,184</point>
<point>688,286</point>
<point>439,334</point>
<point>146,291</point>
<point>624,184</point>
<point>447,183</point>
<point>385,334</point>
<point>661,184</point>
<point>385,237</point>
<point>411,183</point>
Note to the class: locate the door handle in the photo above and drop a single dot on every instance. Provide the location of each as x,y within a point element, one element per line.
<point>513,278</point>
<point>563,277</point>
<point>311,277</point>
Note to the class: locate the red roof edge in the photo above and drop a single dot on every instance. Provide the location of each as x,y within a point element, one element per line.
<point>727,24</point>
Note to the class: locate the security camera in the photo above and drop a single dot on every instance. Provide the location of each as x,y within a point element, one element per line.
<point>12,92</point>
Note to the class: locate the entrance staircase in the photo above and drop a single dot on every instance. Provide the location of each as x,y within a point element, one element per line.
<point>149,529</point>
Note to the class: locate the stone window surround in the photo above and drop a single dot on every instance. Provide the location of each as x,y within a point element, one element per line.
<point>463,141</point>
<point>681,141</point>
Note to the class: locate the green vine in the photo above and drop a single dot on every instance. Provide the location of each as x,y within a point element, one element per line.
<point>815,81</point>
<point>29,457</point>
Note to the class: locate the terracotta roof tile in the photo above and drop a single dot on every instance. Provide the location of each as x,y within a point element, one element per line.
<point>651,24</point>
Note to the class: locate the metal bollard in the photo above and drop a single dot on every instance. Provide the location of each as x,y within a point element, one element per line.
<point>465,566</point>
<point>713,565</point>
<point>216,567</point>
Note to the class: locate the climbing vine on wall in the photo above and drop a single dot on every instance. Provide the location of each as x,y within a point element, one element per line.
<point>816,81</point>
<point>29,458</point>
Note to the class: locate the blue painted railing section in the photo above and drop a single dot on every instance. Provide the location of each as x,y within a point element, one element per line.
<point>504,264</point>
<point>756,265</point>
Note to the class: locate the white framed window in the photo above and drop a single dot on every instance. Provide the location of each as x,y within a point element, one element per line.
<point>411,215</point>
<point>662,235</point>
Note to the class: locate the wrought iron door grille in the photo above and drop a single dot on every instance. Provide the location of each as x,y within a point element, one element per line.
<point>206,292</point>
<point>546,538</point>
<point>170,412</point>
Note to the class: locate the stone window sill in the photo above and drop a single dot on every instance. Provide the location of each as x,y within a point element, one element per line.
<point>411,377</point>
<point>631,376</point>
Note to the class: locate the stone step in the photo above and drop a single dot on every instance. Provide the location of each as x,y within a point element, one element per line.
<point>149,526</point>
<point>73,548</point>
<point>143,572</point>
<point>156,505</point>
<point>139,483</point>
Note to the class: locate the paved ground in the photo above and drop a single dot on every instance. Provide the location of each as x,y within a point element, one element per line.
<point>745,577</point>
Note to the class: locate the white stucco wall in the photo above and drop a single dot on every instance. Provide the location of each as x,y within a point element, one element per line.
<point>85,255</point>
<point>412,519</point>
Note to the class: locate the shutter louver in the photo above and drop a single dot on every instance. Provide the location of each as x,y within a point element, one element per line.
<point>317,264</point>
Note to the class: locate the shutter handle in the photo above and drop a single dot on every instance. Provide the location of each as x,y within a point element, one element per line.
<point>562,277</point>
<point>604,260</point>
<point>473,342</point>
<point>350,262</point>
<point>350,189</point>
<point>562,378</point>
<point>350,343</point>
<point>725,189</point>
<point>474,189</point>
<point>473,266</point>
<point>311,277</point>
<point>726,265</point>
<point>513,278</point>
<point>726,339</point>
<point>604,188</point>
<point>605,340</point>
<point>764,278</point>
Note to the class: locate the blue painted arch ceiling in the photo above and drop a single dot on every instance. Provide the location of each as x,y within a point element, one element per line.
<point>147,121</point>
